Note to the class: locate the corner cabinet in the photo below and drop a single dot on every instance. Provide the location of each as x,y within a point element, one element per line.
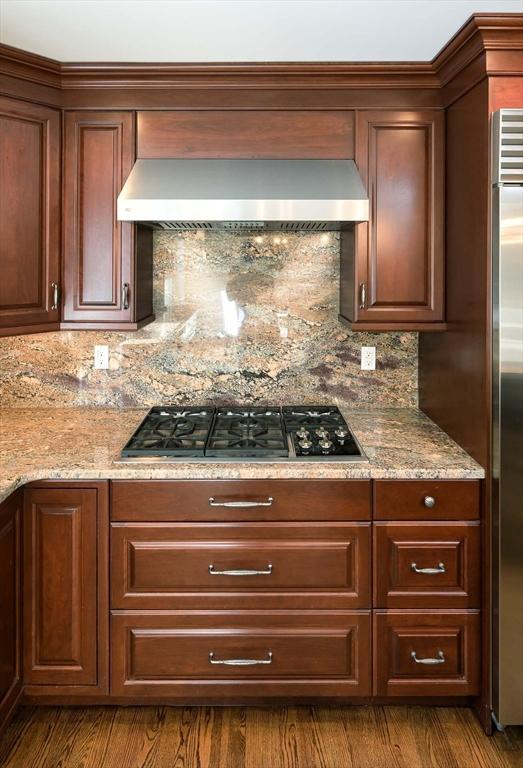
<point>392,273</point>
<point>107,263</point>
<point>29,217</point>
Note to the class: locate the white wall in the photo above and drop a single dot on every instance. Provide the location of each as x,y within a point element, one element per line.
<point>238,30</point>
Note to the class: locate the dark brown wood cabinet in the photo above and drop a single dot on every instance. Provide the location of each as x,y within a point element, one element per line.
<point>29,217</point>
<point>192,655</point>
<point>65,588</point>
<point>107,263</point>
<point>10,604</point>
<point>392,277</point>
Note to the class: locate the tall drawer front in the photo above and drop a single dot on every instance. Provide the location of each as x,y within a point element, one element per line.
<point>426,653</point>
<point>170,565</point>
<point>153,654</point>
<point>250,500</point>
<point>426,499</point>
<point>422,564</point>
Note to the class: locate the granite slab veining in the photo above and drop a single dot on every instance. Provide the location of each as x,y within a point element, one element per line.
<point>241,317</point>
<point>85,443</point>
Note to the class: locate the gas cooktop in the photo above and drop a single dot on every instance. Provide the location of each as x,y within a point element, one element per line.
<point>304,433</point>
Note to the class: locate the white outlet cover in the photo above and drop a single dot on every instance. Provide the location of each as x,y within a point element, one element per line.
<point>368,358</point>
<point>101,357</point>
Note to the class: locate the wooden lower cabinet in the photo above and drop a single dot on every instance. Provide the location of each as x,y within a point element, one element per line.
<point>428,563</point>
<point>10,572</point>
<point>426,653</point>
<point>245,565</point>
<point>65,589</point>
<point>240,655</point>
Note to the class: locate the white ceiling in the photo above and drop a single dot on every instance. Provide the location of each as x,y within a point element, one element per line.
<point>238,30</point>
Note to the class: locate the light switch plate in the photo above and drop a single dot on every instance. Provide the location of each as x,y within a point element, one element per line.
<point>101,357</point>
<point>368,358</point>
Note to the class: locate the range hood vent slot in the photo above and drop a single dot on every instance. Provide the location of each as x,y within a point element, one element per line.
<point>246,226</point>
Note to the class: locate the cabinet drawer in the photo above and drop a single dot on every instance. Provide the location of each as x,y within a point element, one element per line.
<point>426,653</point>
<point>240,565</point>
<point>222,500</point>
<point>422,564</point>
<point>426,499</point>
<point>177,652</point>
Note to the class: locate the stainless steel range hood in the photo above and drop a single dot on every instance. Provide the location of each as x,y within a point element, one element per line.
<point>233,194</point>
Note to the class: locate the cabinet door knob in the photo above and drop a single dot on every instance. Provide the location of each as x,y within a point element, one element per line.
<point>55,288</point>
<point>125,295</point>
<point>363,296</point>
<point>429,502</point>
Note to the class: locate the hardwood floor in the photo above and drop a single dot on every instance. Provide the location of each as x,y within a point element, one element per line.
<point>240,737</point>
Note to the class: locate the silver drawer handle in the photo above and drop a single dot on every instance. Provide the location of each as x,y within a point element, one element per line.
<point>439,660</point>
<point>240,504</point>
<point>429,502</point>
<point>125,296</point>
<point>56,296</point>
<point>241,572</point>
<point>240,662</point>
<point>428,571</point>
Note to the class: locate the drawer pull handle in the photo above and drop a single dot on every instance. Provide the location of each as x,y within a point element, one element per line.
<point>429,502</point>
<point>241,571</point>
<point>439,660</point>
<point>428,571</point>
<point>240,662</point>
<point>241,504</point>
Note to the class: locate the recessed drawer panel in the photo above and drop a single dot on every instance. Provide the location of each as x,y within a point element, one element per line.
<point>426,499</point>
<point>427,564</point>
<point>243,500</point>
<point>155,654</point>
<point>426,653</point>
<point>247,565</point>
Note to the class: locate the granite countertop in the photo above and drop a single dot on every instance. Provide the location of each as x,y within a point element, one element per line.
<point>84,443</point>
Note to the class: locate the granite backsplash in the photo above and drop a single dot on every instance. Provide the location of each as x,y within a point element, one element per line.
<point>240,317</point>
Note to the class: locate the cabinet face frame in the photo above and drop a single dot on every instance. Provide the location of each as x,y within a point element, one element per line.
<point>371,125</point>
<point>19,317</point>
<point>10,532</point>
<point>113,134</point>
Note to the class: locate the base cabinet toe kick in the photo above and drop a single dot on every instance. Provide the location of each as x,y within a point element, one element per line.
<point>193,591</point>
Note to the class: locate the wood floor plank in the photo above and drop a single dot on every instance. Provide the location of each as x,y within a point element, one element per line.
<point>255,737</point>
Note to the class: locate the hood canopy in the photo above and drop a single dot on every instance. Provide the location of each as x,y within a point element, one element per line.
<point>302,194</point>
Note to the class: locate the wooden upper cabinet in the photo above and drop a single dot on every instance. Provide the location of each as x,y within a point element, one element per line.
<point>100,262</point>
<point>29,217</point>
<point>394,277</point>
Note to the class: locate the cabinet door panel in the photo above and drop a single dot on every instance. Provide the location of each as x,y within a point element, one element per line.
<point>60,587</point>
<point>29,216</point>
<point>10,683</point>
<point>98,250</point>
<point>399,253</point>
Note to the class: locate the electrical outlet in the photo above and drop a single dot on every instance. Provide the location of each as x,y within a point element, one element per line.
<point>368,358</point>
<point>101,357</point>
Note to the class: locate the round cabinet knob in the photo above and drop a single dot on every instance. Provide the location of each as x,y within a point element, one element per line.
<point>429,502</point>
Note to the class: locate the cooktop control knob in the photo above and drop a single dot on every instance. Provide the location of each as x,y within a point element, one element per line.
<point>325,444</point>
<point>322,433</point>
<point>341,433</point>
<point>302,433</point>
<point>305,444</point>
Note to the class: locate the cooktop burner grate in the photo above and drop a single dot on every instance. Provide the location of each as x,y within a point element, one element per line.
<point>234,433</point>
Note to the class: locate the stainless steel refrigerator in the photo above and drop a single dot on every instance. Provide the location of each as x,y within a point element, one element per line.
<point>507,383</point>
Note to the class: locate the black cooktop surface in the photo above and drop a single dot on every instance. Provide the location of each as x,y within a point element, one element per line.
<point>318,433</point>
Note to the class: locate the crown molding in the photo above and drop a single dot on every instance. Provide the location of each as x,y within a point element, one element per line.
<point>482,35</point>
